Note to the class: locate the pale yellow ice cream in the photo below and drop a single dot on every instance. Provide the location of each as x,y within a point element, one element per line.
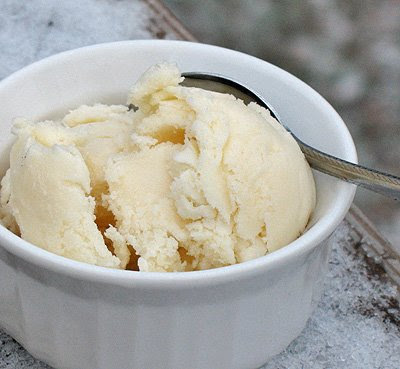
<point>192,180</point>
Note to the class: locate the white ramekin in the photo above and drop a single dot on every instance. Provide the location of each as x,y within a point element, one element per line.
<point>77,316</point>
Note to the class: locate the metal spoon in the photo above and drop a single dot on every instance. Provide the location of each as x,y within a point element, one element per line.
<point>383,183</point>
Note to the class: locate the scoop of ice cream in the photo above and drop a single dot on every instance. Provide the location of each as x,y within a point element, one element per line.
<point>51,194</point>
<point>192,180</point>
<point>50,200</point>
<point>240,180</point>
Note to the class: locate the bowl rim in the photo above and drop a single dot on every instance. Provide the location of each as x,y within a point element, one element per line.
<point>307,241</point>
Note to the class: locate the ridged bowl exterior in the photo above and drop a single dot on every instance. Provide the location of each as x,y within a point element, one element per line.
<point>238,325</point>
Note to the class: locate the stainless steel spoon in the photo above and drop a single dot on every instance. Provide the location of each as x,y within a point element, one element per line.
<point>383,183</point>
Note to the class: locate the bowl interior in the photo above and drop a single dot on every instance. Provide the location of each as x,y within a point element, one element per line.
<point>104,73</point>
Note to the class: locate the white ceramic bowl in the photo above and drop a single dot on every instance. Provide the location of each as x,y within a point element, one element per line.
<point>73,316</point>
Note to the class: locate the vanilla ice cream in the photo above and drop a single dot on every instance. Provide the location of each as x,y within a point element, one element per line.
<point>191,180</point>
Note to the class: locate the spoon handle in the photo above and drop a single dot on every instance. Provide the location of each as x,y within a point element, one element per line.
<point>383,183</point>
